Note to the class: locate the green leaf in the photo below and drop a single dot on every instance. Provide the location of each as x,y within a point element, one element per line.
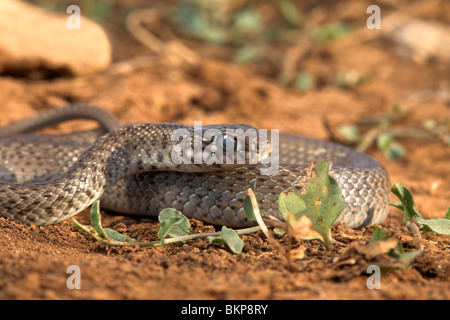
<point>291,206</point>
<point>378,235</point>
<point>173,224</point>
<point>408,257</point>
<point>321,202</point>
<point>117,236</point>
<point>106,236</point>
<point>391,149</point>
<point>397,205</point>
<point>193,18</point>
<point>230,238</point>
<point>331,32</point>
<point>402,259</point>
<point>350,132</point>
<point>290,12</point>
<point>441,226</point>
<point>304,81</point>
<point>407,202</point>
<point>247,54</point>
<point>96,219</point>
<point>247,23</point>
<point>447,214</point>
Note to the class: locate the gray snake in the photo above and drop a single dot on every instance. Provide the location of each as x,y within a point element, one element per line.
<point>49,178</point>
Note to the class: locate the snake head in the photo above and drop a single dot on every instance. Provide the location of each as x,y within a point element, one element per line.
<point>219,147</point>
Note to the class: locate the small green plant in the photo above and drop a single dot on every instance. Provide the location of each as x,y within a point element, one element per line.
<point>381,132</point>
<point>230,238</point>
<point>290,13</point>
<point>406,204</point>
<point>331,32</point>
<point>173,224</point>
<point>174,228</point>
<point>321,202</point>
<point>381,244</point>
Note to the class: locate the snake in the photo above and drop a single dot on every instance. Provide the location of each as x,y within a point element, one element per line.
<point>48,178</point>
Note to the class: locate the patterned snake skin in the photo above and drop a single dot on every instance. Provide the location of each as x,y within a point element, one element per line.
<point>128,169</point>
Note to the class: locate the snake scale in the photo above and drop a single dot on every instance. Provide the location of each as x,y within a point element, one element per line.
<point>45,179</point>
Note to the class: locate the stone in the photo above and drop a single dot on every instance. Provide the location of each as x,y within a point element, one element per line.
<point>37,43</point>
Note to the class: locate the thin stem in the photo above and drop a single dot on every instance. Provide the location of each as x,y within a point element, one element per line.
<point>91,231</point>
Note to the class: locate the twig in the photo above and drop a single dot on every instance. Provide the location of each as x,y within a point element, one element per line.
<point>412,227</point>
<point>133,23</point>
<point>173,50</point>
<point>130,65</point>
<point>263,226</point>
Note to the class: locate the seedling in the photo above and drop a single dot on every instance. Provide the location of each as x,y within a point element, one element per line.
<point>174,228</point>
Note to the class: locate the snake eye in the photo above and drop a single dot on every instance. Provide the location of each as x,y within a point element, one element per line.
<point>228,142</point>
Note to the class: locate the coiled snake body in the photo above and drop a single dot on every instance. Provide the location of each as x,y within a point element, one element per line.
<point>46,179</point>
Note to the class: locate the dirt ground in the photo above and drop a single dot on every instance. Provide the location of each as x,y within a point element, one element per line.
<point>215,89</point>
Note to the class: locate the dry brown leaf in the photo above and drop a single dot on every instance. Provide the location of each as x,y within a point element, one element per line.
<point>378,247</point>
<point>303,229</point>
<point>298,253</point>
